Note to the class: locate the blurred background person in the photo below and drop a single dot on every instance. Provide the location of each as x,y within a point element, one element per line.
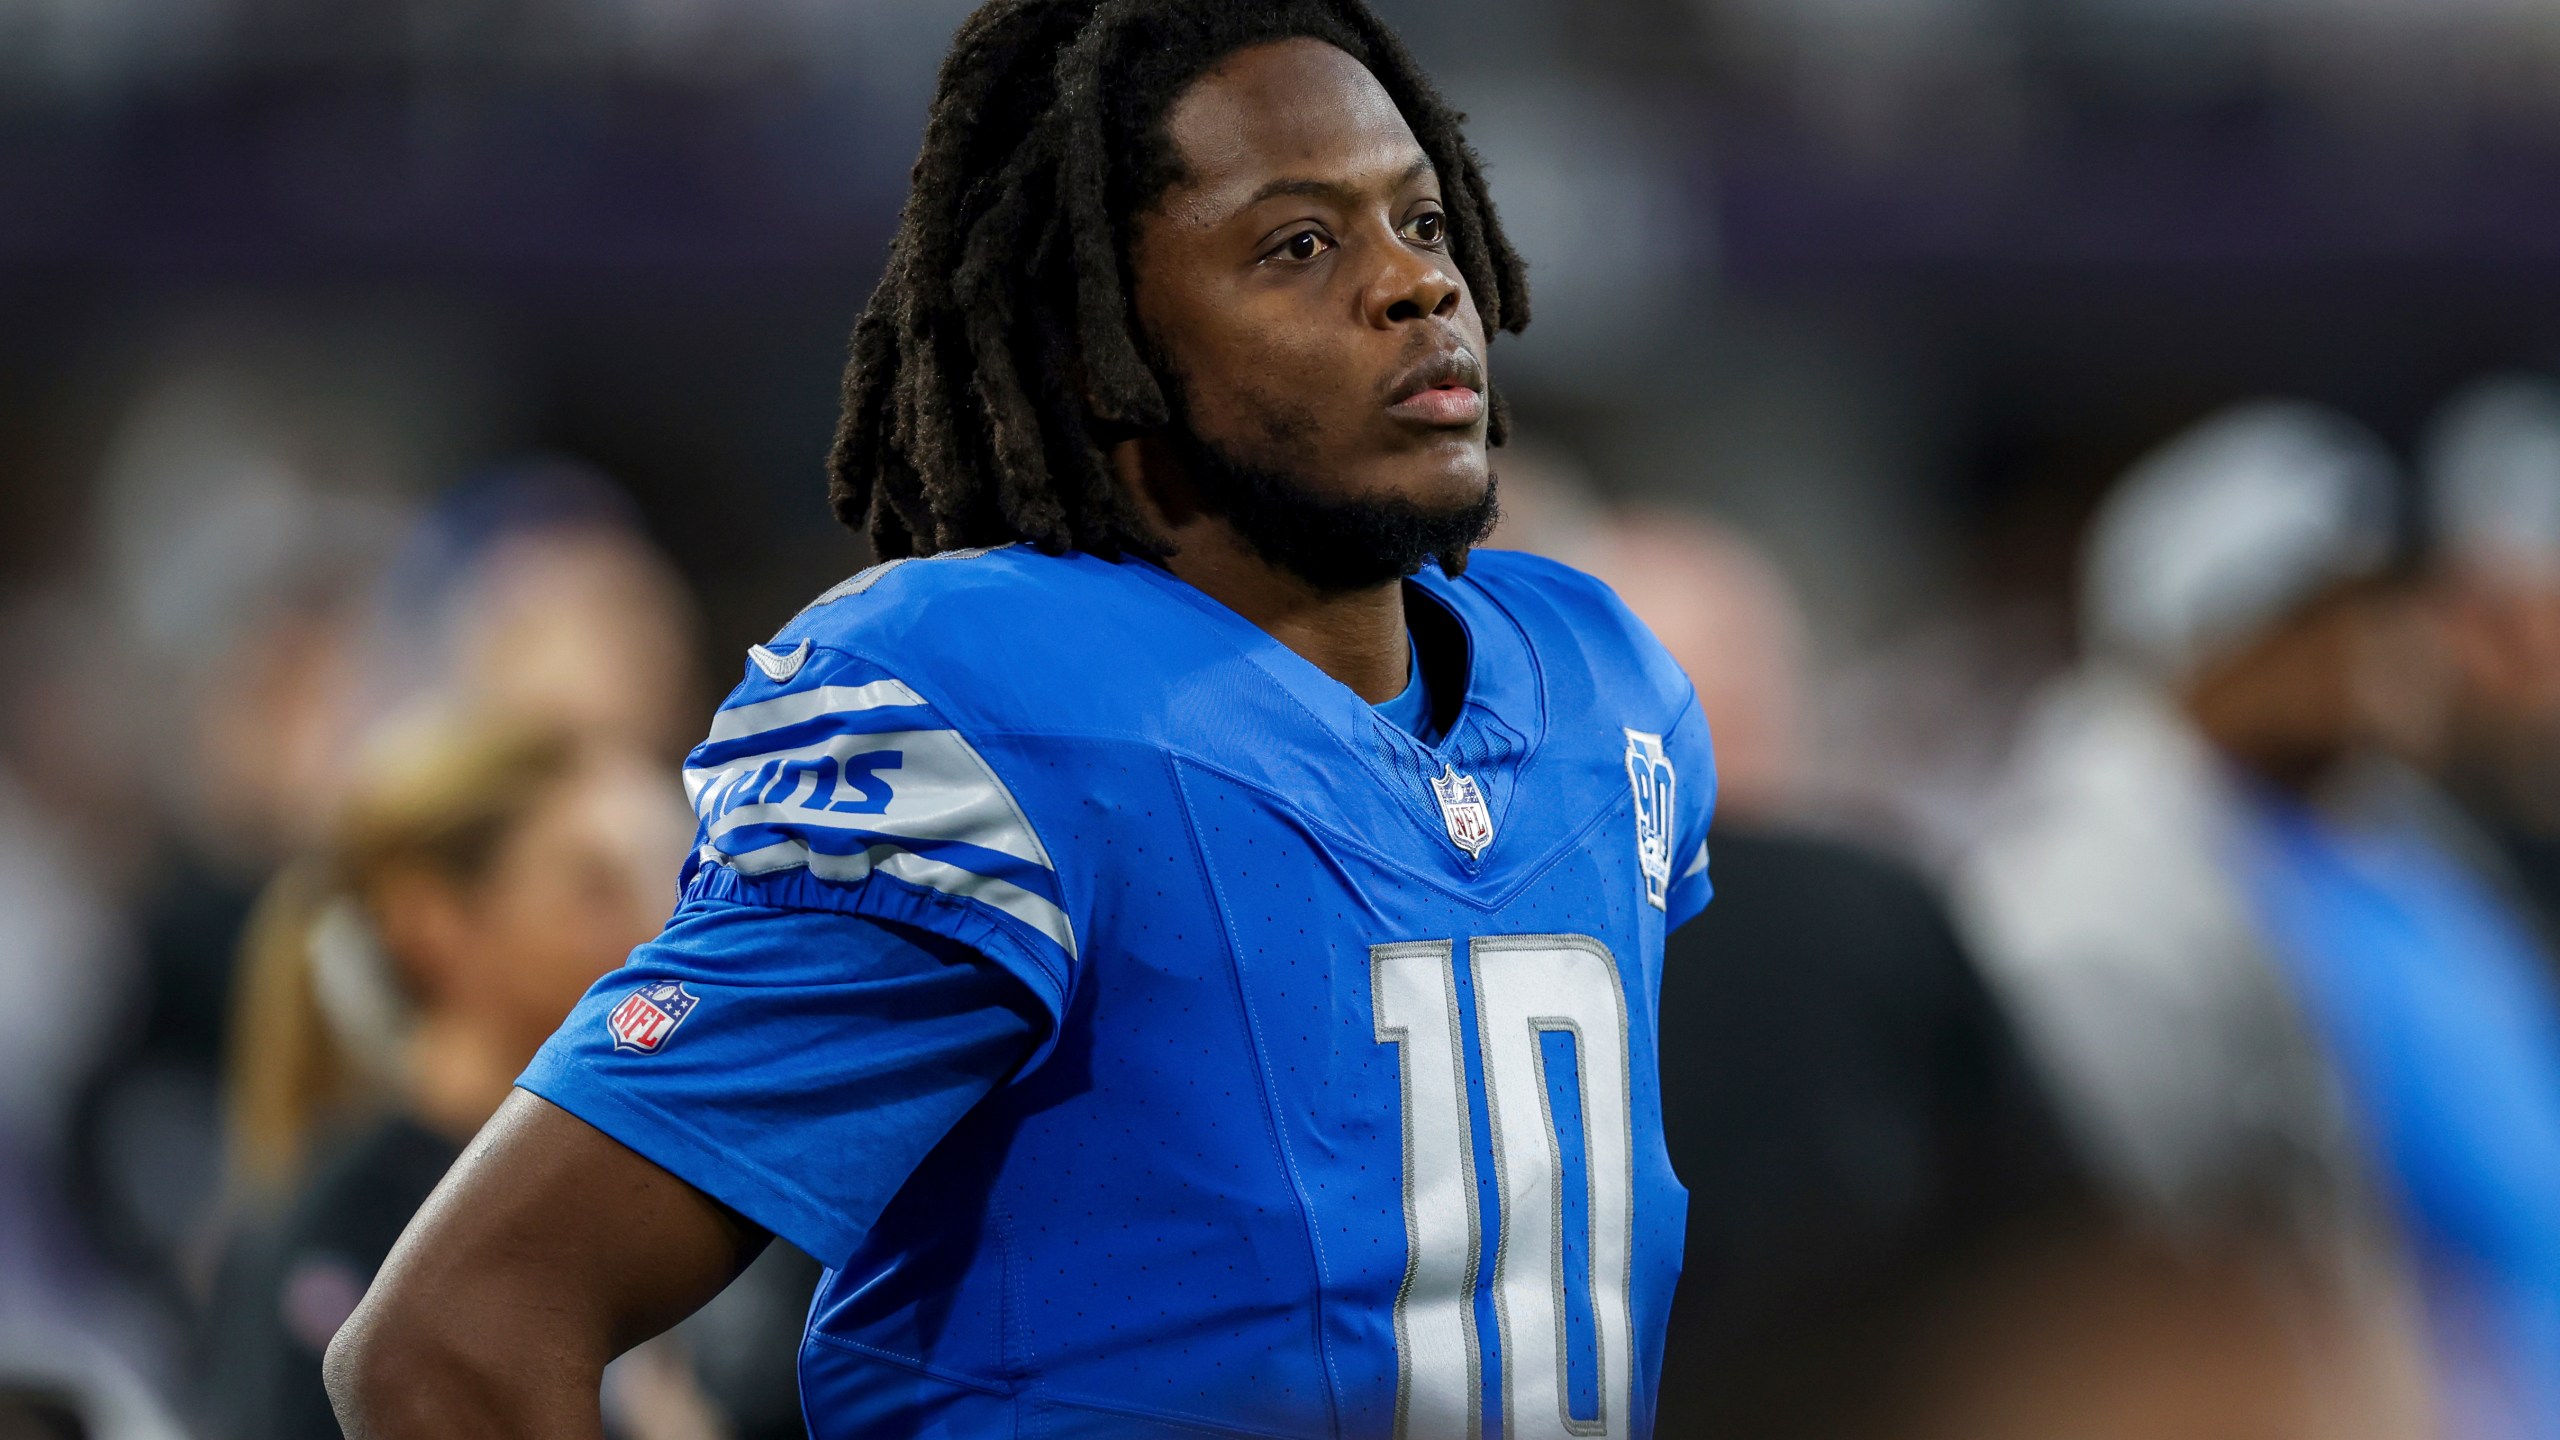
<point>483,873</point>
<point>1853,1117</point>
<point>2492,471</point>
<point>249,483</point>
<point>2282,1008</point>
<point>531,588</point>
<point>2108,898</point>
<point>281,566</point>
<point>527,596</point>
<point>2113,1333</point>
<point>2485,1122</point>
<point>66,958</point>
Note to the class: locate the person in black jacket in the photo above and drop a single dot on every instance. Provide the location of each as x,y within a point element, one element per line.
<point>1855,1122</point>
<point>1859,1129</point>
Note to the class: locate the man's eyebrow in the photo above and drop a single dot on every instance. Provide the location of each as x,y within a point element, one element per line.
<point>1332,189</point>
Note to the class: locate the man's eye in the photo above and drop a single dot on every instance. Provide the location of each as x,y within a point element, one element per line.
<point>1305,245</point>
<point>1428,229</point>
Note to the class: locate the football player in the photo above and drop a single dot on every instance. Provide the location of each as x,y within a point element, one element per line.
<point>1179,938</point>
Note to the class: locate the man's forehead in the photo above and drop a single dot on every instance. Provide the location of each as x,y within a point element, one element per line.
<point>1293,114</point>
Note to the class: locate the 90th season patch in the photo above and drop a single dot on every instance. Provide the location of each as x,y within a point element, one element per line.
<point>1650,777</point>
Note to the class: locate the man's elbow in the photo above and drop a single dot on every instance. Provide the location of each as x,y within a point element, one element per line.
<point>423,1359</point>
<point>382,1364</point>
<point>407,1364</point>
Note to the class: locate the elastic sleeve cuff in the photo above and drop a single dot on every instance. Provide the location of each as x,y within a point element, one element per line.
<point>1023,953</point>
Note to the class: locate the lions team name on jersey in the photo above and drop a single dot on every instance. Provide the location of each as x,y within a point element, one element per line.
<point>848,780</point>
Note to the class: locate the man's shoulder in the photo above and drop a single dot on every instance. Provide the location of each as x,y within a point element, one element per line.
<point>992,593</point>
<point>1580,632</point>
<point>1005,638</point>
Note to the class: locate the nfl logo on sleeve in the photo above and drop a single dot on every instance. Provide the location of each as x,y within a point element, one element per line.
<point>648,1015</point>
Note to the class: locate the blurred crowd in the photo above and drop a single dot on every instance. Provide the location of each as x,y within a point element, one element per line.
<point>325,790</point>
<point>2220,1093</point>
<point>2172,1047</point>
<point>2128,1009</point>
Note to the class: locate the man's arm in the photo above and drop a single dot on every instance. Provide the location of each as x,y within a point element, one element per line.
<point>549,1249</point>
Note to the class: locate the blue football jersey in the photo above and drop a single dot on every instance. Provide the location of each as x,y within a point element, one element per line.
<point>1344,1116</point>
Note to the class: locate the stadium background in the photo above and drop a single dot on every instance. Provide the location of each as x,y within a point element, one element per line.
<point>301,303</point>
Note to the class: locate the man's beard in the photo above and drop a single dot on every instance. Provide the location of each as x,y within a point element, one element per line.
<point>1335,545</point>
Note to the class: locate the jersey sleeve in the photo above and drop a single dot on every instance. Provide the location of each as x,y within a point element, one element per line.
<point>871,936</point>
<point>795,1065</point>
<point>1694,800</point>
<point>842,789</point>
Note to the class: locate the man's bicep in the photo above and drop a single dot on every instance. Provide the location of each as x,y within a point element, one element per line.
<point>549,1228</point>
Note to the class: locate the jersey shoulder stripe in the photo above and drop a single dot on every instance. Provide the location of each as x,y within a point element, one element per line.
<point>764,717</point>
<point>846,774</point>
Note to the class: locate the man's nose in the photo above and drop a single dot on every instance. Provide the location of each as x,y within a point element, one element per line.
<point>1414,284</point>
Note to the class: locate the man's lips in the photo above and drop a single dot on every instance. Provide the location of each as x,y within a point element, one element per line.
<point>1446,389</point>
<point>1450,405</point>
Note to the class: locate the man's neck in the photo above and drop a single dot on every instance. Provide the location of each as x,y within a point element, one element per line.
<point>1358,636</point>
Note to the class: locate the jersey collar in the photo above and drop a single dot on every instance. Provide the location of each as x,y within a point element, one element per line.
<point>1497,726</point>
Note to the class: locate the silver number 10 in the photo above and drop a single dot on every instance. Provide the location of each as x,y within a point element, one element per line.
<point>1526,987</point>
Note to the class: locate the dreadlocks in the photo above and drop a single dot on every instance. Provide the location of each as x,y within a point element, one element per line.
<point>999,356</point>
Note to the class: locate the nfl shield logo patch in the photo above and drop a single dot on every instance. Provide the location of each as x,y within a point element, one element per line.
<point>1650,776</point>
<point>1462,808</point>
<point>648,1015</point>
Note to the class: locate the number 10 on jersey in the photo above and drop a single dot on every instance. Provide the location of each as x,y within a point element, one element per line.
<point>1551,1034</point>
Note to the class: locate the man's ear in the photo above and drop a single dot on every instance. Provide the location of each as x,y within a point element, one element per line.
<point>1156,481</point>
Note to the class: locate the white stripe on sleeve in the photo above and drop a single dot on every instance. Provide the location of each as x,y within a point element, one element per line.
<point>805,705</point>
<point>1033,910</point>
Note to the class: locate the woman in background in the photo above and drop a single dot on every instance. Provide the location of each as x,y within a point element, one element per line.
<point>483,873</point>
